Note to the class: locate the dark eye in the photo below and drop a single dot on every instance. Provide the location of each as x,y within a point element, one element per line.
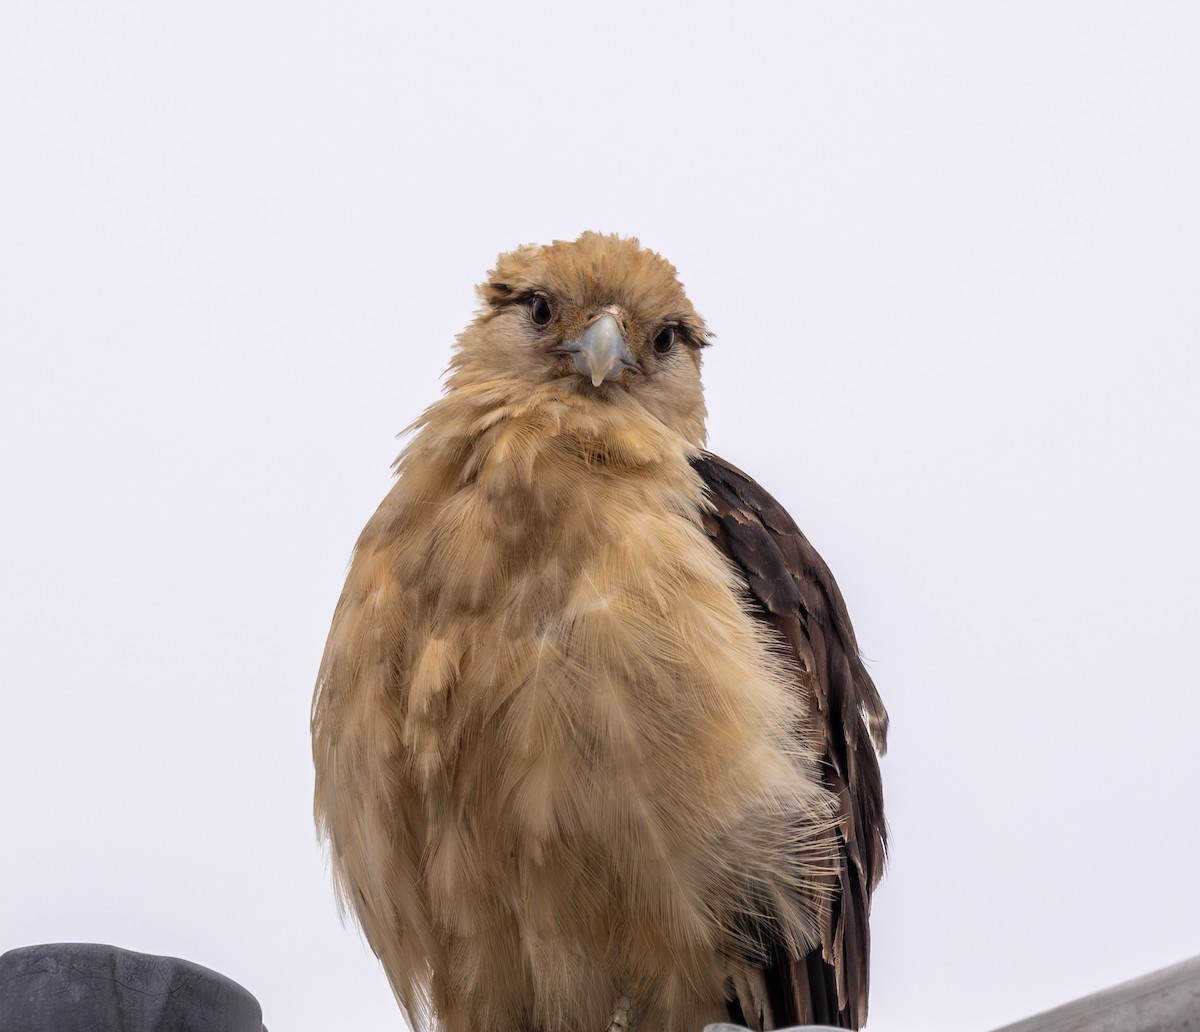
<point>540,311</point>
<point>665,340</point>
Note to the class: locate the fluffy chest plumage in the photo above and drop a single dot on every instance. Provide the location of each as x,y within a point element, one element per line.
<point>581,628</point>
<point>573,723</point>
<point>600,739</point>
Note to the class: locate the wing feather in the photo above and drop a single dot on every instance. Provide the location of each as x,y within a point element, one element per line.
<point>796,594</point>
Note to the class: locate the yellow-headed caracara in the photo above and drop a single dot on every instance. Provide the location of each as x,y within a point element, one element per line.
<point>594,745</point>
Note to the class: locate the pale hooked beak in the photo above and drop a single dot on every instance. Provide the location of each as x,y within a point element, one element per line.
<point>601,353</point>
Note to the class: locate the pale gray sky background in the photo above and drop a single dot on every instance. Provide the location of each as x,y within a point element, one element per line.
<point>952,255</point>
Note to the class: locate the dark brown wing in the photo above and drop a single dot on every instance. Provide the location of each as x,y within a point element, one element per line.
<point>795,592</point>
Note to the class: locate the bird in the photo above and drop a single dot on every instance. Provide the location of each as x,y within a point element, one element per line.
<point>595,747</point>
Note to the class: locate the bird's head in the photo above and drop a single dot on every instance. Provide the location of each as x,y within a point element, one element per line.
<point>600,318</point>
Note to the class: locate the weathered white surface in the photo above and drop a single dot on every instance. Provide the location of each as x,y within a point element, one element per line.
<point>724,1026</point>
<point>1165,1001</point>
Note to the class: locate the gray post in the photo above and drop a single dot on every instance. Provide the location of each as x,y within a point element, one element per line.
<point>1165,1001</point>
<point>86,987</point>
